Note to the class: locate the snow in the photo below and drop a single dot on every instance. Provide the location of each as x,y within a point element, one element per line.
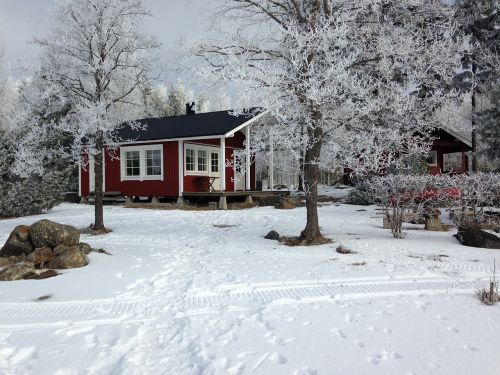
<point>181,296</point>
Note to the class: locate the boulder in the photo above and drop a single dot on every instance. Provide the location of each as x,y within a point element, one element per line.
<point>84,247</point>
<point>48,233</point>
<point>271,200</point>
<point>288,203</point>
<point>433,224</point>
<point>18,243</point>
<point>41,255</point>
<point>16,271</point>
<point>476,237</point>
<point>7,261</point>
<point>71,257</point>
<point>272,235</point>
<point>61,249</point>
<point>39,276</point>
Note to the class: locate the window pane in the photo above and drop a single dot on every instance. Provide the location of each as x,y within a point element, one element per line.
<point>190,166</point>
<point>215,162</point>
<point>153,162</point>
<point>202,160</point>
<point>132,163</point>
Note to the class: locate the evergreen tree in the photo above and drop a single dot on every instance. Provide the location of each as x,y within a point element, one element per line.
<point>489,128</point>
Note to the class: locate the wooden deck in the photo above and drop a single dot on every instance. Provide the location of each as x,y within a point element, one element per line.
<point>254,194</point>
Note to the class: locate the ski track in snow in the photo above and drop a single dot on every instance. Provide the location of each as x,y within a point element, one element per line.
<point>112,311</point>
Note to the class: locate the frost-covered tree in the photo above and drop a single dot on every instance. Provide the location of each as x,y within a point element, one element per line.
<point>480,20</point>
<point>94,63</point>
<point>8,94</point>
<point>177,98</point>
<point>489,128</point>
<point>360,78</point>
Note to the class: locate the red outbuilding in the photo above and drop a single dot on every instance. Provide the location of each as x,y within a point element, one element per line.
<point>174,156</point>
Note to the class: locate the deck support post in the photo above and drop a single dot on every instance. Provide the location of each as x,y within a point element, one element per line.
<point>222,203</point>
<point>247,154</point>
<point>155,200</point>
<point>129,200</point>
<point>180,201</point>
<point>248,199</point>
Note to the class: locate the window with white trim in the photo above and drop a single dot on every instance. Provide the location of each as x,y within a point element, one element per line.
<point>432,159</point>
<point>190,165</point>
<point>133,163</point>
<point>201,160</point>
<point>214,162</point>
<point>141,162</point>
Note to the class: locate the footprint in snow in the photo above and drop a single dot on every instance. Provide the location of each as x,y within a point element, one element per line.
<point>277,359</point>
<point>305,371</point>
<point>471,348</point>
<point>359,343</point>
<point>339,333</point>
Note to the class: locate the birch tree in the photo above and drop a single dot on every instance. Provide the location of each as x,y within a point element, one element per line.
<point>94,62</point>
<point>326,68</point>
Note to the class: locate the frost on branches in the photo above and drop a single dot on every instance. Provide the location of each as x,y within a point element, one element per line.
<point>94,63</point>
<point>472,200</point>
<point>350,83</point>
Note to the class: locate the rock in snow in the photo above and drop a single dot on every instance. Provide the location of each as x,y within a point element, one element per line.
<point>18,243</point>
<point>49,233</point>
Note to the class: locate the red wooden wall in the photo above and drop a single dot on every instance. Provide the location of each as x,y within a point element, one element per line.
<point>169,187</point>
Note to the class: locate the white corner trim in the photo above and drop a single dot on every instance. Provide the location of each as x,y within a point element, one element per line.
<point>180,166</point>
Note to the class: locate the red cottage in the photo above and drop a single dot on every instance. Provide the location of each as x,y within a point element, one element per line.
<point>448,154</point>
<point>178,155</point>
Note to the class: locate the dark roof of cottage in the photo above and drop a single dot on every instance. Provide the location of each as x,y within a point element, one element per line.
<point>186,126</point>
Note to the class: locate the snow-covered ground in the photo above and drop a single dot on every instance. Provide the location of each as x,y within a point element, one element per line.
<point>202,292</point>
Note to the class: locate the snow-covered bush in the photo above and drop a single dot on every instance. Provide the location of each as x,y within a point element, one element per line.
<point>20,196</point>
<point>478,205</point>
<point>411,197</point>
<point>360,195</point>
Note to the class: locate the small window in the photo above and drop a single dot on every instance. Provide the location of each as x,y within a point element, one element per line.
<point>190,166</point>
<point>214,157</point>
<point>133,163</point>
<point>153,163</point>
<point>432,159</point>
<point>202,160</point>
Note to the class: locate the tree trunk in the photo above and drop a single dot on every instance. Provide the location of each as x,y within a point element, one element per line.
<point>98,176</point>
<point>311,233</point>
<point>473,133</point>
<point>473,116</point>
<point>301,172</point>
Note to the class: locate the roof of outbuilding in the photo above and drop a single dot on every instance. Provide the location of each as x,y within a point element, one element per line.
<point>187,126</point>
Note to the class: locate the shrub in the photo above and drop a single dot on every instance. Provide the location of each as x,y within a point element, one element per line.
<point>360,195</point>
<point>30,195</point>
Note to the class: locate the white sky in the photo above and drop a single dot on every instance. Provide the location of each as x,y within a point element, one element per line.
<point>173,20</point>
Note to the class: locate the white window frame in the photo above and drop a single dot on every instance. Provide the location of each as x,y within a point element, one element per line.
<point>142,163</point>
<point>196,148</point>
